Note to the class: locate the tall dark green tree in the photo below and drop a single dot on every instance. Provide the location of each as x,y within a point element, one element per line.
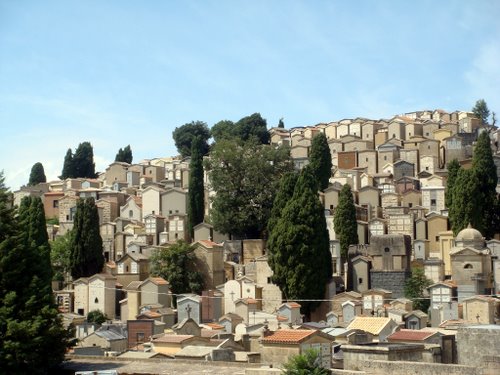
<point>68,167</point>
<point>124,155</point>
<point>465,208</point>
<point>37,174</point>
<point>320,160</point>
<point>283,196</point>
<point>224,129</point>
<point>481,111</point>
<point>281,123</point>
<point>344,221</point>
<point>196,192</point>
<point>184,135</point>
<point>32,339</point>
<point>83,161</point>
<point>177,264</point>
<point>245,177</point>
<point>253,126</point>
<point>86,243</point>
<point>453,167</point>
<point>486,176</point>
<point>298,246</point>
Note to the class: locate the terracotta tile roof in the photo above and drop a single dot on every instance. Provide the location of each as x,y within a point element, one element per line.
<point>150,314</point>
<point>373,325</point>
<point>214,326</point>
<point>288,336</point>
<point>410,335</point>
<point>172,339</point>
<point>208,333</point>
<point>158,280</point>
<point>281,318</point>
<point>292,305</point>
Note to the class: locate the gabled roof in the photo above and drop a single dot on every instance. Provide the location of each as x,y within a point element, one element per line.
<point>411,335</point>
<point>172,339</point>
<point>373,325</point>
<point>288,336</point>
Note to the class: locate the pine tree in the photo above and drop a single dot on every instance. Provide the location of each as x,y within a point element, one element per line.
<point>281,123</point>
<point>196,192</point>
<point>83,161</point>
<point>486,175</point>
<point>32,339</point>
<point>86,257</point>
<point>299,246</point>
<point>320,160</point>
<point>37,174</point>
<point>68,167</point>
<point>453,168</point>
<point>481,111</point>
<point>344,221</point>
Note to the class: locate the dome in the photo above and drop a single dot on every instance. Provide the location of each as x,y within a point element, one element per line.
<point>469,234</point>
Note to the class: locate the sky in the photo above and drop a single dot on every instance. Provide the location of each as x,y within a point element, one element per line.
<point>123,72</point>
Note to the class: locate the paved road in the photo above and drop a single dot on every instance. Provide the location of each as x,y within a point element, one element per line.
<point>171,367</point>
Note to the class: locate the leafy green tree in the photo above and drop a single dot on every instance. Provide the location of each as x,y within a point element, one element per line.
<point>37,174</point>
<point>486,176</point>
<point>196,191</point>
<point>308,363</point>
<point>68,167</point>
<point>253,126</point>
<point>176,264</point>
<point>344,221</point>
<point>245,177</point>
<point>298,246</point>
<point>320,160</point>
<point>453,168</point>
<point>184,135</point>
<point>83,161</point>
<point>60,253</point>
<point>481,111</point>
<point>124,155</point>
<point>224,129</point>
<point>281,124</point>
<point>32,339</point>
<point>415,289</point>
<point>465,208</point>
<point>96,316</point>
<point>86,257</point>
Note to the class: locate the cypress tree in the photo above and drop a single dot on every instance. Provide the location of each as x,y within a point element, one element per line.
<point>83,161</point>
<point>486,176</point>
<point>283,196</point>
<point>465,208</point>
<point>32,337</point>
<point>68,167</point>
<point>196,192</point>
<point>344,221</point>
<point>124,155</point>
<point>453,168</point>
<point>86,257</point>
<point>37,174</point>
<point>299,246</point>
<point>320,160</point>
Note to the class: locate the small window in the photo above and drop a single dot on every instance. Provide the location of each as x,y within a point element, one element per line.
<point>130,213</point>
<point>366,159</point>
<point>331,207</point>
<point>468,266</point>
<point>410,205</point>
<point>140,337</point>
<point>429,147</point>
<point>126,268</point>
<point>433,202</point>
<point>387,250</point>
<point>385,157</point>
<point>55,204</point>
<point>360,280</point>
<point>437,238</point>
<point>96,300</point>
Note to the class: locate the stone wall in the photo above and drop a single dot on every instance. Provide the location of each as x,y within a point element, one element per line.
<point>477,341</point>
<point>415,368</point>
<point>389,280</point>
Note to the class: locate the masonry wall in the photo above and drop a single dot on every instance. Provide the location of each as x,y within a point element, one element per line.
<point>389,280</point>
<point>476,341</point>
<point>413,368</point>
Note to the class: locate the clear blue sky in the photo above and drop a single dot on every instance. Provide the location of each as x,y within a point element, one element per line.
<point>128,72</point>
